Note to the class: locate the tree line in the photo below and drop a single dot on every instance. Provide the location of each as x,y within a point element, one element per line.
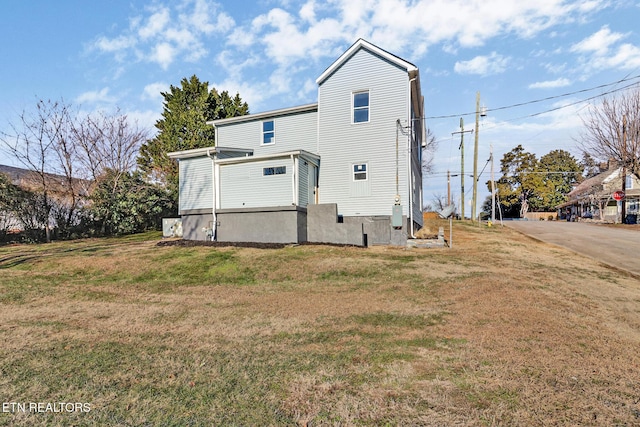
<point>529,183</point>
<point>100,173</point>
<point>610,132</point>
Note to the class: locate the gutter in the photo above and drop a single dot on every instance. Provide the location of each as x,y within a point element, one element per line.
<point>214,225</point>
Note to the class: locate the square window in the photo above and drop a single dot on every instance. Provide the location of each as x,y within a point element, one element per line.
<point>361,107</point>
<point>360,172</point>
<point>268,132</point>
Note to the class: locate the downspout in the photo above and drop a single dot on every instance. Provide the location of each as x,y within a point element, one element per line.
<point>213,201</point>
<point>409,160</point>
<point>293,181</point>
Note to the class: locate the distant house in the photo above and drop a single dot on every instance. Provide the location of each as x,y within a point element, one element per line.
<point>593,197</point>
<point>346,169</point>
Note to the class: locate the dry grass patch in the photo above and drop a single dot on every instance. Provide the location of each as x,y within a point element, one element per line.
<point>499,330</point>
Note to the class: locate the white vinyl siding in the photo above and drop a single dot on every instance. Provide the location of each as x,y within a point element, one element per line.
<point>196,185</point>
<point>293,132</point>
<point>244,185</point>
<point>342,144</point>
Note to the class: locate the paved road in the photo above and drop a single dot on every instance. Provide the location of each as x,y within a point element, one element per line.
<point>617,247</point>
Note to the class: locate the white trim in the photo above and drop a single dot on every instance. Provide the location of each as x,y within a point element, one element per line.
<point>302,153</point>
<point>372,48</point>
<point>265,114</point>
<point>202,152</point>
<point>366,172</point>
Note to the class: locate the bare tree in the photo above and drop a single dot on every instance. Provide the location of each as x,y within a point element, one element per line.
<point>34,142</point>
<point>605,135</point>
<point>428,152</point>
<point>108,141</point>
<point>67,152</point>
<point>439,201</point>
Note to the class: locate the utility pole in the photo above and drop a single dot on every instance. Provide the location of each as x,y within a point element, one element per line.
<point>624,169</point>
<point>493,189</point>
<point>448,188</point>
<point>475,160</point>
<point>462,132</point>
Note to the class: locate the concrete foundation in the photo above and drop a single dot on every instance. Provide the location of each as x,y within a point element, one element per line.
<point>283,224</point>
<point>325,226</point>
<point>197,226</point>
<point>293,224</point>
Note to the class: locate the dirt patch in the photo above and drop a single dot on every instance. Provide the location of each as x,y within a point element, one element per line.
<point>195,243</point>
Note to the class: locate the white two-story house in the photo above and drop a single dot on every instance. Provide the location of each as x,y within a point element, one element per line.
<point>346,169</point>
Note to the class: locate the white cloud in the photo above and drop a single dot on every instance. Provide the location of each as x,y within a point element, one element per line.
<point>94,97</point>
<point>163,54</point>
<point>307,11</point>
<point>598,43</point>
<point>145,119</point>
<point>482,65</point>
<point>177,30</point>
<point>114,45</point>
<point>601,51</point>
<point>252,93</point>
<point>155,25</point>
<point>153,91</point>
<point>297,33</point>
<point>550,84</point>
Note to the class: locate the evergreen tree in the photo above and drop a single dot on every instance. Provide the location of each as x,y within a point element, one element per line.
<point>183,126</point>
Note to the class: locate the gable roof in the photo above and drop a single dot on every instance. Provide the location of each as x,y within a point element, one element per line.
<point>266,114</point>
<point>363,44</point>
<point>595,181</point>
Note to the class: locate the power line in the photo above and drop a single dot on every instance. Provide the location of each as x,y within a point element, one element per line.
<point>549,98</point>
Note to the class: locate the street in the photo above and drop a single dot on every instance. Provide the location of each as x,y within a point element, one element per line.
<point>613,246</point>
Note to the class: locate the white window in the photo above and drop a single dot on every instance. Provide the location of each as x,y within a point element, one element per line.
<point>360,172</point>
<point>278,170</point>
<point>361,107</point>
<point>268,132</point>
<point>629,182</point>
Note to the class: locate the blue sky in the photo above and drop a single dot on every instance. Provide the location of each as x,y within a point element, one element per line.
<point>103,55</point>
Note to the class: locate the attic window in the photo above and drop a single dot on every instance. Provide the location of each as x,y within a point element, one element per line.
<point>268,133</point>
<point>361,107</point>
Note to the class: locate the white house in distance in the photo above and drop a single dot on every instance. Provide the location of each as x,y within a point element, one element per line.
<point>346,169</point>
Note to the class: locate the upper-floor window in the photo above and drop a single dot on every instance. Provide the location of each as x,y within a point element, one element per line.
<point>629,182</point>
<point>268,132</point>
<point>360,172</point>
<point>361,107</point>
